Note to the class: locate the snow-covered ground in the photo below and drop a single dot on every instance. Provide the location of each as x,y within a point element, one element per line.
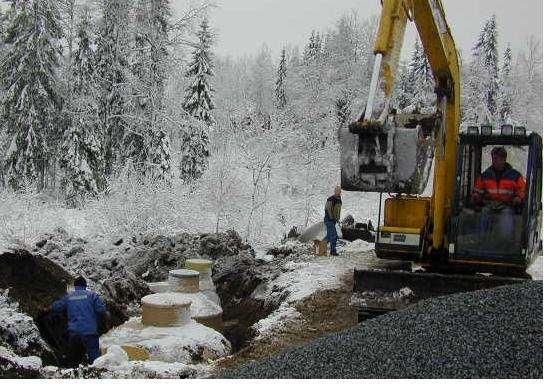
<point>303,276</point>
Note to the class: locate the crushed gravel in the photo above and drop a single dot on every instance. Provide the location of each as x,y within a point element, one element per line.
<point>496,333</point>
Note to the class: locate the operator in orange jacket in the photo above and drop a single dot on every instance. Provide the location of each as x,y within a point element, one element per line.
<point>500,191</point>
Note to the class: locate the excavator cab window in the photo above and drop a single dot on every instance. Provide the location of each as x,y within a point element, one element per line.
<point>491,229</point>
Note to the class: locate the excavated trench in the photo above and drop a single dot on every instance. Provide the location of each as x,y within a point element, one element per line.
<point>35,283</point>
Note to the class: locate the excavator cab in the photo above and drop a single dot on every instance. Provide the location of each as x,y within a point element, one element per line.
<point>496,234</point>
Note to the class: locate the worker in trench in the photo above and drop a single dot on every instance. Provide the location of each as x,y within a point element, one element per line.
<point>333,207</point>
<point>499,193</point>
<point>84,309</point>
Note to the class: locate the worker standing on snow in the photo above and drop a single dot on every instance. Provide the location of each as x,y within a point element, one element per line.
<point>332,216</point>
<point>84,308</point>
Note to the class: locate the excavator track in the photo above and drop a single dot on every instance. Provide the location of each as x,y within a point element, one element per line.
<point>376,292</point>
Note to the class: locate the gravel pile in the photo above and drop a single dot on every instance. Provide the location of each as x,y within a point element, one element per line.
<point>485,334</point>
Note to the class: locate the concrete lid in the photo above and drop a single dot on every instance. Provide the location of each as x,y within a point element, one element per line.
<point>167,300</point>
<point>183,273</point>
<point>198,264</point>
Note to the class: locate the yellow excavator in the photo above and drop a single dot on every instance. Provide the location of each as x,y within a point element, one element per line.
<point>441,241</point>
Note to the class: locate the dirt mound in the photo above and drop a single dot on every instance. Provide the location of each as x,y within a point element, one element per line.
<point>33,281</point>
<point>153,256</point>
<point>19,337</point>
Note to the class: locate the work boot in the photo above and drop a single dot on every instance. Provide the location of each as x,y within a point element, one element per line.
<point>334,254</point>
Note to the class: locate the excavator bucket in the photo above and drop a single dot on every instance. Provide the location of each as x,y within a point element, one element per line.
<point>376,292</point>
<point>394,157</point>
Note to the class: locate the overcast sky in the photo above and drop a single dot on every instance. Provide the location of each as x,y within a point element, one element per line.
<point>244,25</point>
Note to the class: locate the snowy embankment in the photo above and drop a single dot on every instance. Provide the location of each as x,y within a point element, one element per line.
<point>20,342</point>
<point>303,275</point>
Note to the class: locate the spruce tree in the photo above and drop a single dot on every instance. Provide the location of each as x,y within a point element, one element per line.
<point>31,103</point>
<point>198,104</point>
<point>194,150</point>
<point>136,139</point>
<point>81,158</point>
<point>421,77</point>
<point>313,49</point>
<point>486,55</point>
<point>159,147</point>
<point>506,103</point>
<point>404,88</point>
<point>147,144</point>
<point>280,93</point>
<point>113,76</point>
<point>198,101</point>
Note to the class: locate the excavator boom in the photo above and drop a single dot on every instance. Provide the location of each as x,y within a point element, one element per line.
<point>385,152</point>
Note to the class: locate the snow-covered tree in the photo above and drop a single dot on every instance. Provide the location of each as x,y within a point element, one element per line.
<point>506,103</point>
<point>135,140</point>
<point>31,104</point>
<point>112,70</point>
<point>404,88</point>
<point>313,49</point>
<point>485,72</point>
<point>343,107</point>
<point>199,97</point>
<point>145,142</point>
<point>159,147</point>
<point>78,179</point>
<point>280,94</point>
<point>194,149</point>
<point>528,101</point>
<point>81,160</point>
<point>422,78</point>
<point>261,86</point>
<point>199,105</point>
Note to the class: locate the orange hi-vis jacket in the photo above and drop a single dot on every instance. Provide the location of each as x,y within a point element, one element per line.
<point>510,184</point>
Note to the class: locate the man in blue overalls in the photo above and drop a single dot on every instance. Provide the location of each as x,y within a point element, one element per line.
<point>84,308</point>
<point>332,216</point>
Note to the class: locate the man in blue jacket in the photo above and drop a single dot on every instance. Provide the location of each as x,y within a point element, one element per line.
<point>84,308</point>
<point>332,216</point>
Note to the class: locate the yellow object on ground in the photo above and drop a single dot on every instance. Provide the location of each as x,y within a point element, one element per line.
<point>200,265</point>
<point>137,353</point>
<point>184,280</point>
<point>165,309</point>
<point>320,247</point>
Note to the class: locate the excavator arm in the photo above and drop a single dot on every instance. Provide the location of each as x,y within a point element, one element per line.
<point>384,152</point>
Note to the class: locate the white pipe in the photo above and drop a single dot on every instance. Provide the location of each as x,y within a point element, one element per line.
<point>373,86</point>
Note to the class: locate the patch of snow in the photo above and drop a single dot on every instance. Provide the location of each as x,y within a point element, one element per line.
<point>299,281</point>
<point>16,328</point>
<point>536,269</point>
<point>201,305</point>
<point>151,370</point>
<point>285,313</point>
<point>358,246</point>
<point>167,299</point>
<point>263,256</point>
<point>292,265</point>
<point>30,363</point>
<point>170,344</point>
<point>115,356</point>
